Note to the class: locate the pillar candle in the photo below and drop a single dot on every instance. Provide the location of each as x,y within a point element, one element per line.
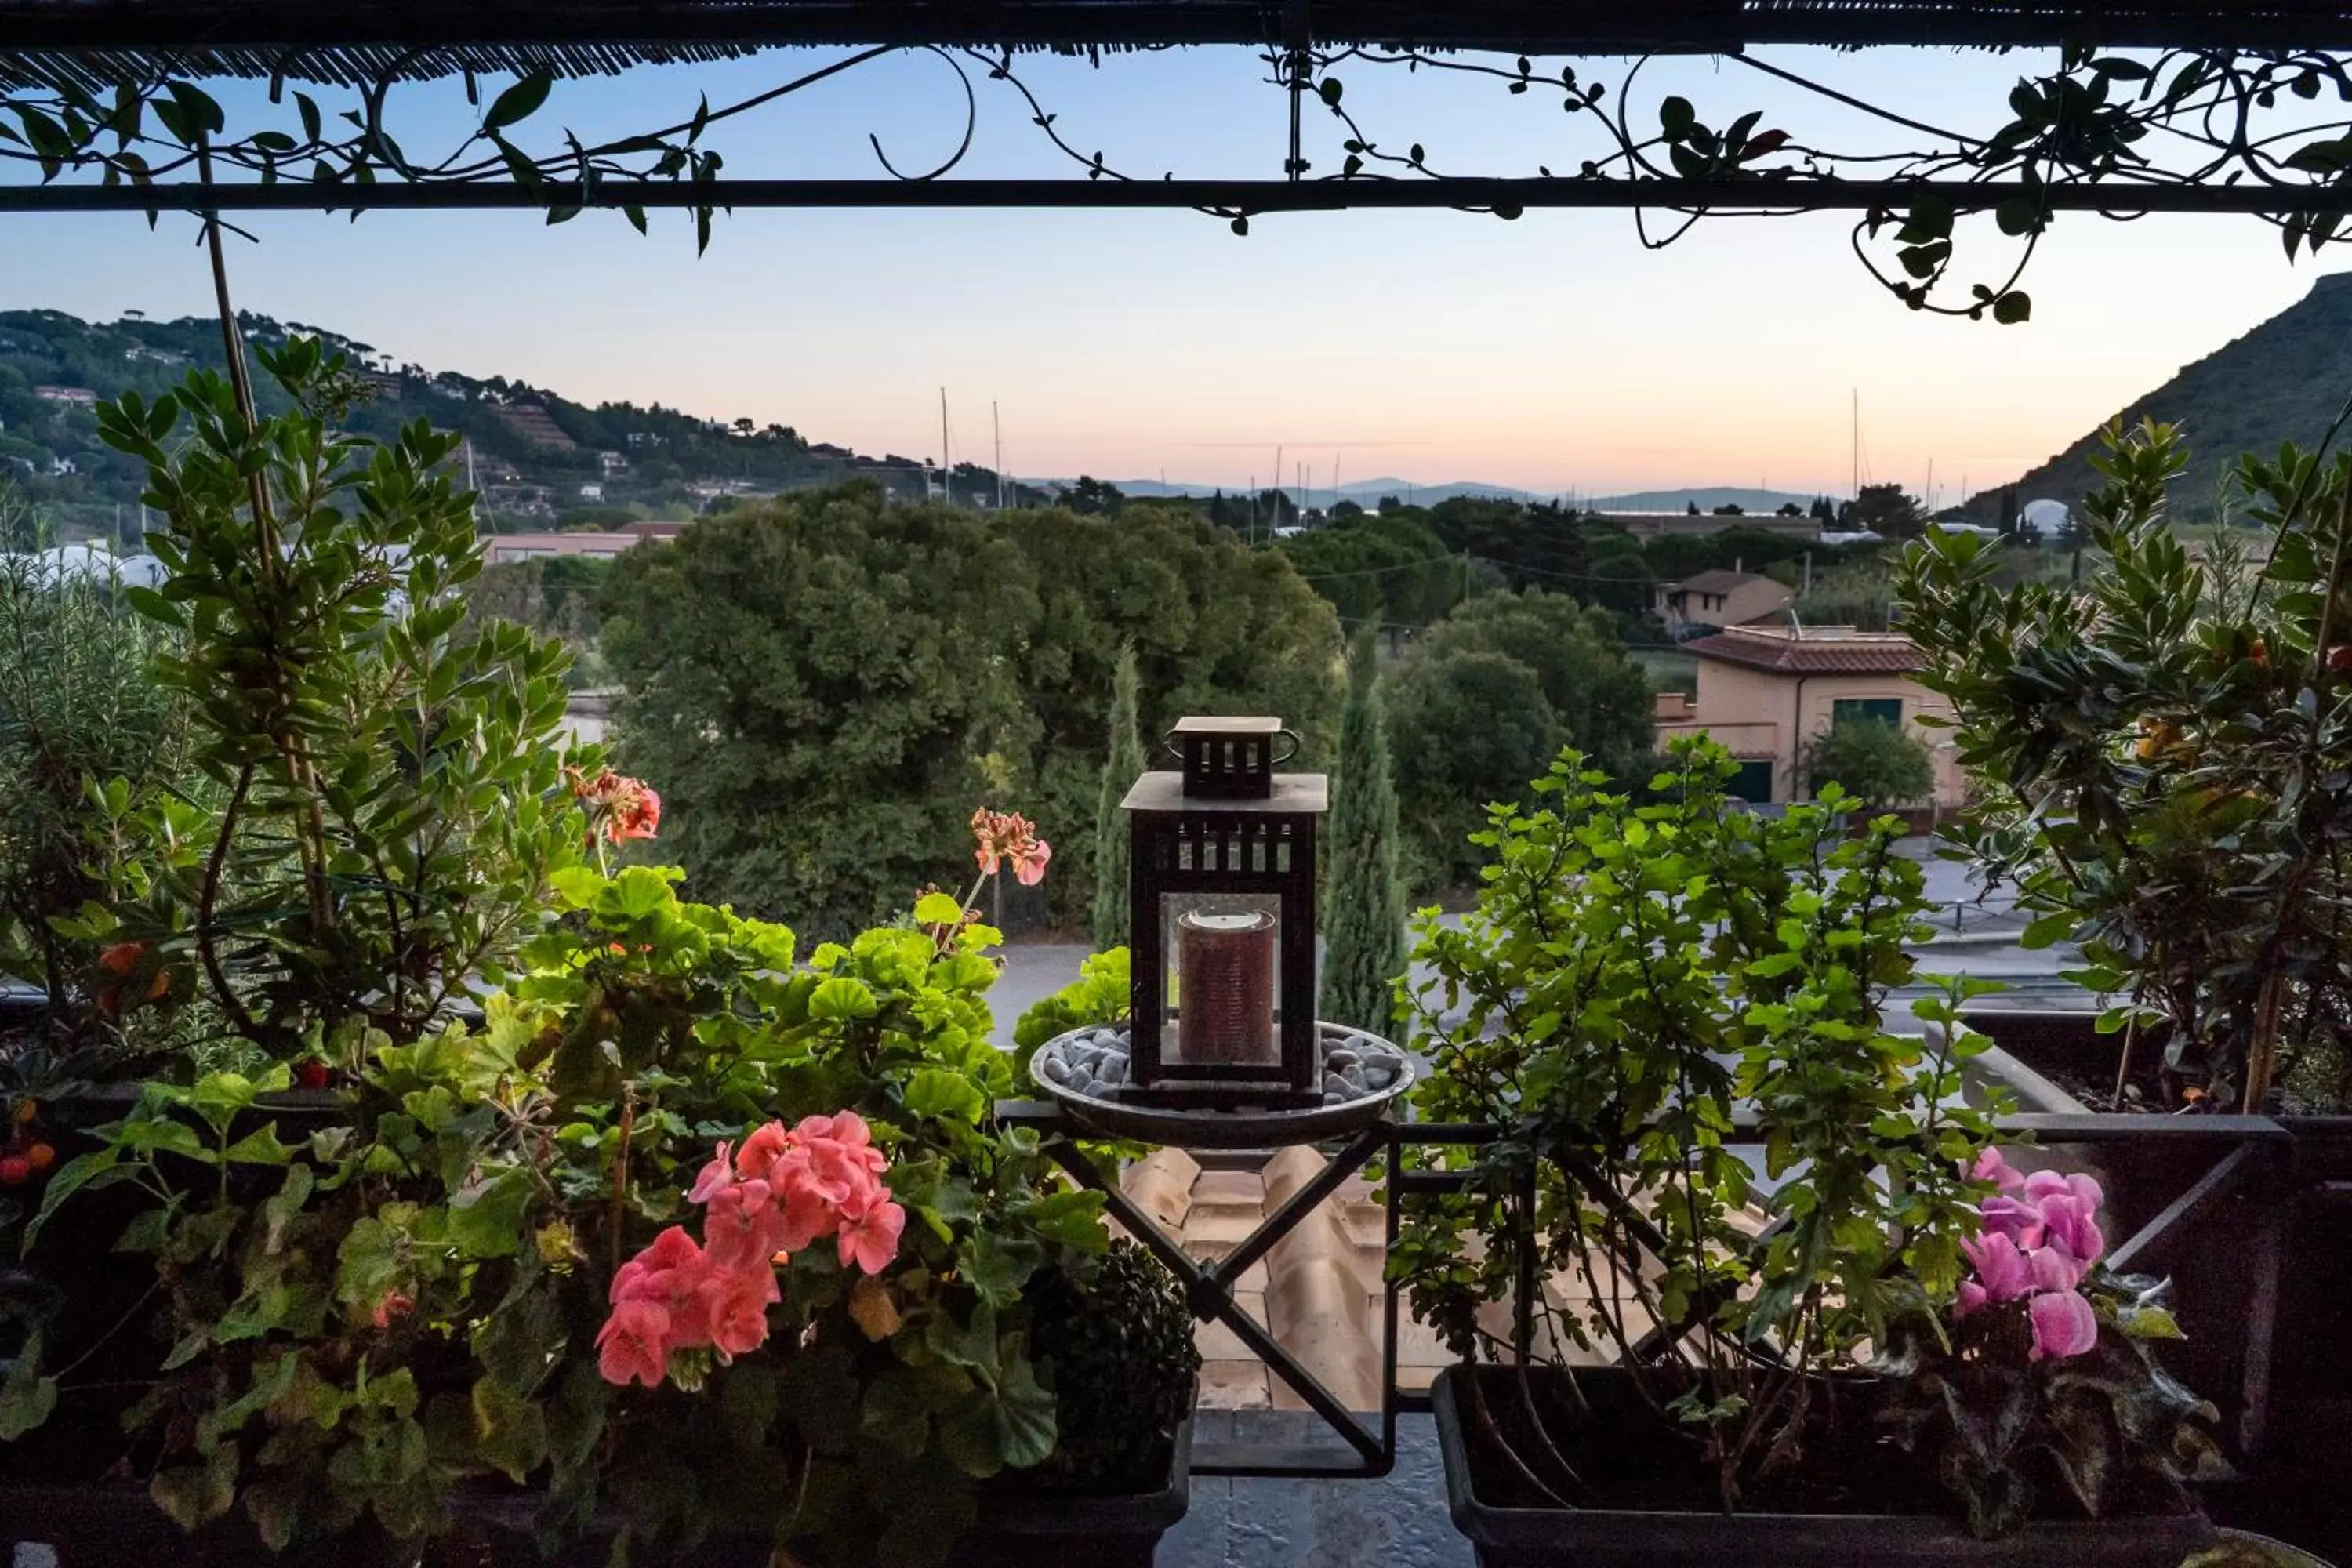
<point>1225,969</point>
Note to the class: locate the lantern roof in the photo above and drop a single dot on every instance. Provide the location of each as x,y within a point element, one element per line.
<point>1293,794</point>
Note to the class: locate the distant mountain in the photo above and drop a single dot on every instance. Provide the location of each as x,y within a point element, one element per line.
<point>535,458</point>
<point>1363,492</point>
<point>1367,492</point>
<point>2284,380</point>
<point>1707,499</point>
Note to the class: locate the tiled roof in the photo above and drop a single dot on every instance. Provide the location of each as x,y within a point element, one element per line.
<point>1716,583</point>
<point>1855,653</point>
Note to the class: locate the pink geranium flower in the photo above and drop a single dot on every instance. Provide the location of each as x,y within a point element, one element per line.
<point>870,1238</point>
<point>1005,836</point>
<point>632,1346</point>
<point>782,1191</point>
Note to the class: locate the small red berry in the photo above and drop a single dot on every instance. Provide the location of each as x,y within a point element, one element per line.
<point>15,1170</point>
<point>2339,658</point>
<point>312,1074</point>
<point>2260,653</point>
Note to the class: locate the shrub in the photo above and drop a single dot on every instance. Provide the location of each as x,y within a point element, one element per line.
<point>1880,765</point>
<point>1117,1345</point>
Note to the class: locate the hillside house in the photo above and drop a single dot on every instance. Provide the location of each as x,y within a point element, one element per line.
<point>1765,693</point>
<point>591,492</point>
<point>499,549</point>
<point>71,396</point>
<point>1715,599</point>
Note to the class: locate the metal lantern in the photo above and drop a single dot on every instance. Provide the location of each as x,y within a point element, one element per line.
<point>1221,921</point>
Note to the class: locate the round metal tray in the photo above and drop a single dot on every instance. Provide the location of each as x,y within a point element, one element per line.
<point>1195,1129</point>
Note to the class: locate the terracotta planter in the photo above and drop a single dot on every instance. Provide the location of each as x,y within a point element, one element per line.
<point>1521,1537</point>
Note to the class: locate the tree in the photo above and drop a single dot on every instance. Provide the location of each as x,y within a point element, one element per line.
<point>1884,510</point>
<point>1822,512</point>
<point>1091,497</point>
<point>1364,905</point>
<point>1217,627</point>
<point>1882,765</point>
<point>1488,697</point>
<point>814,685</point>
<point>1120,772</point>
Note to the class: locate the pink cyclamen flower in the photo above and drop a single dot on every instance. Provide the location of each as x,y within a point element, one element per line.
<point>633,1344</point>
<point>2064,1325</point>
<point>2003,1272</point>
<point>1991,1167</point>
<point>2015,1218</point>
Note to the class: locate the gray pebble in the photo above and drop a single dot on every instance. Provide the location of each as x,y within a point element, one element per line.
<point>1081,1082</point>
<point>1114,1071</point>
<point>1337,1060</point>
<point>1331,1099</point>
<point>1378,1074</point>
<point>1335,1084</point>
<point>1053,1066</point>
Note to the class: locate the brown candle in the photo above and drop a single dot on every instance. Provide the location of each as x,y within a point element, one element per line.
<point>1224,992</point>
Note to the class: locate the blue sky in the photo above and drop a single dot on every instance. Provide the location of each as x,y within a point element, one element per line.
<point>1550,353</point>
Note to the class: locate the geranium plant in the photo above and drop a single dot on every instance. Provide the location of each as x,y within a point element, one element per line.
<point>1639,989</point>
<point>2162,751</point>
<point>2039,1387</point>
<point>482,1271</point>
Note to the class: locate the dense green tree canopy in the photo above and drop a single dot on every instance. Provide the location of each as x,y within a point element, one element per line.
<point>1392,569</point>
<point>1488,696</point>
<point>813,685</point>
<point>825,686</point>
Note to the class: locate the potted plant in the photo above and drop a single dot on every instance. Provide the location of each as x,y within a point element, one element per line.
<point>2159,753</point>
<point>1640,993</point>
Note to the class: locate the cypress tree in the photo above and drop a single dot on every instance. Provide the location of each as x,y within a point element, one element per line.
<point>1363,911</point>
<point>1120,771</point>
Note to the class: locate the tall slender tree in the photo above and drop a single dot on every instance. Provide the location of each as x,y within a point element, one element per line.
<point>1120,771</point>
<point>1363,911</point>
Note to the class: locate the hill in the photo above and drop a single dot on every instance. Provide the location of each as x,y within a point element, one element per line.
<point>2284,380</point>
<point>536,459</point>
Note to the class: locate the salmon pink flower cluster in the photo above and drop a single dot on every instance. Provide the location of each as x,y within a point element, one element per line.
<point>782,1192</point>
<point>1009,837</point>
<point>619,808</point>
<point>2039,1238</point>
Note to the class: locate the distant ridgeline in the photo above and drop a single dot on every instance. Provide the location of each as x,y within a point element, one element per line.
<point>2284,380</point>
<point>540,460</point>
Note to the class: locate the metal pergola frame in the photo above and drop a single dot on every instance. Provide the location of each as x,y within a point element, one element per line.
<point>1244,196</point>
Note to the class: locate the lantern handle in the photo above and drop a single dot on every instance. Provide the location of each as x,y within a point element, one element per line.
<point>1292,735</point>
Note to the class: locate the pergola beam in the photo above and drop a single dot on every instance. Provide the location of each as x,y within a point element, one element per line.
<point>242,36</point>
<point>1251,196</point>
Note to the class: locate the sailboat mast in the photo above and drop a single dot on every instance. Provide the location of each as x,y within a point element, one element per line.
<point>947,491</point>
<point>996,419</point>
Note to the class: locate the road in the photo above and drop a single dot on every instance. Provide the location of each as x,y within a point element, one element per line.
<point>1984,945</point>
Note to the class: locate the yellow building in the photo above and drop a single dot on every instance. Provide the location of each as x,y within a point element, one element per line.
<point>1765,692</point>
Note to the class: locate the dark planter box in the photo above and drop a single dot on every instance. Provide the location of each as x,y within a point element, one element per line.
<point>1623,1538</point>
<point>107,1524</point>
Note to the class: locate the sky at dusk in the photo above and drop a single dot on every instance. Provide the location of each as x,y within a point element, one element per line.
<point>1554,354</point>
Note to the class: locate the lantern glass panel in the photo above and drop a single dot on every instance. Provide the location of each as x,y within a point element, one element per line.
<point>1221,957</point>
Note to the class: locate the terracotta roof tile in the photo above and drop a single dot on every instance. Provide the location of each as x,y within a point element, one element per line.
<point>1860,653</point>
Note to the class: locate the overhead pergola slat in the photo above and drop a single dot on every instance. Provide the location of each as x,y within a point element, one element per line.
<point>98,40</point>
